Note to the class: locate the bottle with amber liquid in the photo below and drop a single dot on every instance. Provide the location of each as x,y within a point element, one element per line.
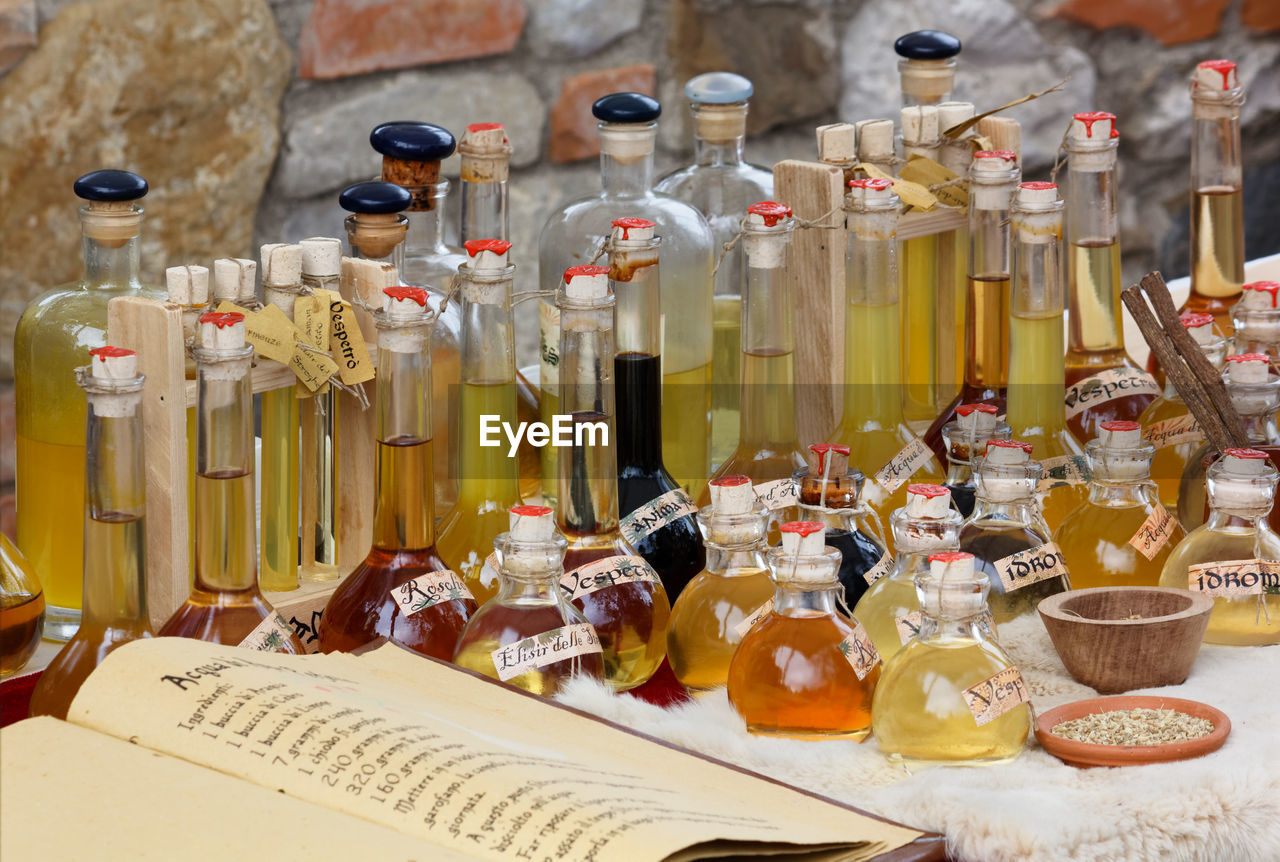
<point>1256,320</point>
<point>21,609</point>
<point>729,596</point>
<point>615,588</point>
<point>1122,536</point>
<point>403,591</point>
<point>226,605</point>
<point>974,426</point>
<point>918,269</point>
<point>952,696</point>
<point>806,671</point>
<point>528,635</point>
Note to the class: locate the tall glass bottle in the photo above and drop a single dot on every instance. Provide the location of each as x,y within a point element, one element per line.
<point>657,516</point>
<point>955,154</point>
<point>402,591</point>
<point>488,475</point>
<point>21,609</point>
<point>55,330</point>
<point>619,593</point>
<point>1222,556</point>
<point>528,635</point>
<point>628,131</point>
<point>967,436</point>
<point>115,594</point>
<point>927,66</point>
<point>1256,320</point>
<point>808,670</point>
<point>188,286</point>
<point>225,605</point>
<point>918,269</point>
<point>729,596</point>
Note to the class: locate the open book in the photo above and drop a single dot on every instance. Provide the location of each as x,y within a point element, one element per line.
<point>247,755</point>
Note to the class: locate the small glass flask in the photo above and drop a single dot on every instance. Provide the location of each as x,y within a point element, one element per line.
<point>528,635</point>
<point>729,596</point>
<point>1257,320</point>
<point>974,425</point>
<point>808,670</point>
<point>21,609</point>
<point>952,696</point>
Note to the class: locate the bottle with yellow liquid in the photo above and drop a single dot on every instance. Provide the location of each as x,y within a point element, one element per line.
<point>528,635</point>
<point>21,609</point>
<point>926,525</point>
<point>1256,319</point>
<point>952,696</point>
<point>1235,555</point>
<point>955,154</point>
<point>807,670</point>
<point>188,286</point>
<point>53,334</point>
<point>488,475</point>
<point>974,426</point>
<point>918,269</point>
<point>729,596</point>
<point>1123,535</point>
<point>226,605</point>
<point>115,594</point>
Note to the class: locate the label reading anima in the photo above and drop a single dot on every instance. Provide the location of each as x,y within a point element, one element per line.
<point>749,622</point>
<point>902,467</point>
<point>538,651</point>
<point>428,590</point>
<point>656,514</point>
<point>1154,533</point>
<point>1107,386</point>
<point>609,572</point>
<point>1233,578</point>
<point>1031,566</point>
<point>996,695</point>
<point>860,651</point>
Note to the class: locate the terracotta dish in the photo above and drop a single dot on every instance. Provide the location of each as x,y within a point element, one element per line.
<point>1087,754</point>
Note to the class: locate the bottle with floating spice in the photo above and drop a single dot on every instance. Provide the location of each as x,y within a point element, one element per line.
<point>1256,319</point>
<point>974,426</point>
<point>918,269</point>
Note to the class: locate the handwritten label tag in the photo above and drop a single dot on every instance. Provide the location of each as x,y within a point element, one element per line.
<point>656,514</point>
<point>538,651</point>
<point>311,316</point>
<point>269,331</point>
<point>1154,533</point>
<point>1174,432</point>
<point>428,590</point>
<point>996,695</point>
<point>548,346</point>
<point>312,369</point>
<point>1107,386</point>
<point>270,635</point>
<point>609,572</point>
<point>882,567</point>
<point>911,194</point>
<point>908,626</point>
<point>928,173</point>
<point>1233,578</point>
<point>778,494</point>
<point>1031,566</point>
<point>902,466</point>
<point>1062,470</point>
<point>348,345</point>
<point>753,618</point>
<point>860,651</point>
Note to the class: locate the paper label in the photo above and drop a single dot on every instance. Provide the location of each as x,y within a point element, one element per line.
<point>346,340</point>
<point>860,651</point>
<point>902,466</point>
<point>996,695</point>
<point>270,635</point>
<point>1062,470</point>
<point>548,345</point>
<point>1154,533</point>
<point>1031,566</point>
<point>911,194</point>
<point>753,618</point>
<point>778,494</point>
<point>1235,578</point>
<point>538,651</point>
<point>304,619</point>
<point>312,369</point>
<point>882,567</point>
<point>311,316</point>
<point>269,331</point>
<point>428,590</point>
<point>908,626</point>
<point>1107,386</point>
<point>1174,432</point>
<point>656,514</point>
<point>609,572</point>
<point>928,173</point>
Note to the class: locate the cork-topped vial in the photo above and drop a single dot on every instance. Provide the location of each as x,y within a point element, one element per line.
<point>485,155</point>
<point>968,434</point>
<point>1256,319</point>
<point>926,66</point>
<point>918,266</point>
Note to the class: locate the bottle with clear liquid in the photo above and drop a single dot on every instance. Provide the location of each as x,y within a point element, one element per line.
<point>21,609</point>
<point>657,516</point>
<point>1246,606</point>
<point>188,287</point>
<point>918,269</point>
<point>528,635</point>
<point>403,590</point>
<point>115,593</point>
<point>808,670</point>
<point>952,696</point>
<point>968,434</point>
<point>1006,527</point>
<point>617,591</point>
<point>226,606</point>
<point>721,184</point>
<point>572,234</point>
<point>1256,320</point>
<point>1123,535</point>
<point>926,66</point>
<point>488,478</point>
<point>55,330</point>
<point>729,596</point>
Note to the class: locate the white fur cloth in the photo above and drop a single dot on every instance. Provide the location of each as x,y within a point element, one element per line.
<point>1218,808</point>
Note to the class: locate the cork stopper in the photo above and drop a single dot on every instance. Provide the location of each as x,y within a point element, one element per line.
<point>113,363</point>
<point>1092,127</point>
<point>1119,454</point>
<point>487,254</point>
<point>235,279</point>
<point>1259,295</point>
<point>951,566</point>
<point>532,523</point>
<point>994,160</point>
<point>1214,75</point>
<point>1245,462</point>
<point>222,331</point>
<point>1003,452</point>
<point>953,114</point>
<point>1037,195</point>
<point>321,256</point>
<point>1120,434</point>
<point>952,589</point>
<point>976,420</point>
<point>920,126</point>
<point>1242,480</point>
<point>632,229</point>
<point>281,264</point>
<point>586,283</point>
<point>767,213</point>
<point>928,501</point>
<point>1199,325</point>
<point>732,495</point>
<point>837,143</point>
<point>803,538</point>
<point>485,139</point>
<point>872,192</point>
<point>875,140</point>
<point>404,303</point>
<point>830,481</point>
<point>1248,368</point>
<point>187,285</point>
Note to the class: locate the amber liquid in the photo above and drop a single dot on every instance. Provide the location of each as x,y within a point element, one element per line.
<point>919,308</point>
<point>1217,253</point>
<point>726,372</point>
<point>1095,539</point>
<point>703,635</point>
<point>279,490</point>
<point>50,473</point>
<point>988,544</point>
<point>686,427</point>
<point>498,625</point>
<point>21,617</point>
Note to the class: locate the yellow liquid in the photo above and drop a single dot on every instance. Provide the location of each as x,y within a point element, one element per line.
<point>686,427</point>
<point>986,316</point>
<point>1217,246</point>
<point>1095,542</point>
<point>953,260</point>
<point>1093,281</point>
<point>191,490</point>
<point>881,606</point>
<point>702,636</point>
<point>726,370</point>
<point>279,490</point>
<point>1235,620</point>
<point>495,626</point>
<point>1169,462</point>
<point>919,310</point>
<point>50,534</point>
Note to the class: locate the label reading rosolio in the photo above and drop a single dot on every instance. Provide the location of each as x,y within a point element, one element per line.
<point>428,590</point>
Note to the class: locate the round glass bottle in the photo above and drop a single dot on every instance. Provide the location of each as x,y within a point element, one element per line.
<point>1257,320</point>
<point>21,609</point>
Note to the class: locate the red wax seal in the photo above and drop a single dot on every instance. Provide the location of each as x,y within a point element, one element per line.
<point>1222,67</point>
<point>108,352</point>
<point>417,294</point>
<point>877,183</point>
<point>1270,287</point>
<point>584,269</point>
<point>950,556</point>
<point>966,409</point>
<point>222,319</point>
<point>531,511</point>
<point>1195,319</point>
<point>929,491</point>
<point>497,246</point>
<point>804,528</point>
<point>1247,454</point>
<point>1038,186</point>
<point>1091,117</point>
<point>1006,155</point>
<point>821,450</point>
<point>1249,357</point>
<point>770,211</point>
<point>1121,425</point>
<point>484,127</point>
<point>730,481</point>
<point>632,222</point>
<point>1010,444</point>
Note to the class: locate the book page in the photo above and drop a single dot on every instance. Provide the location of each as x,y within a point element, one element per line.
<point>433,752</point>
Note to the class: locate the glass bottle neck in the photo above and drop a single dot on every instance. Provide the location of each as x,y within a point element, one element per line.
<point>943,629</point>
<point>1093,264</point>
<point>717,153</point>
<point>790,599</point>
<point>634,273</point>
<point>632,177</point>
<point>767,417</point>
<point>1037,368</point>
<point>1233,519</point>
<point>425,235</point>
<point>484,212</point>
<point>587,498</point>
<point>726,559</point>
<point>404,511</point>
<point>1021,512</point>
<point>107,264</point>
<point>525,589</point>
<point>1261,427</point>
<point>1119,493</point>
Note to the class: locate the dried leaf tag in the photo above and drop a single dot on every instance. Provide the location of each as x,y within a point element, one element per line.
<point>928,173</point>
<point>911,194</point>
<point>1154,533</point>
<point>311,316</point>
<point>313,369</point>
<point>269,331</point>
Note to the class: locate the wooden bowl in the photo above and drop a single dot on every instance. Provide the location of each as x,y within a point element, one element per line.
<point>1087,754</point>
<point>1103,648</point>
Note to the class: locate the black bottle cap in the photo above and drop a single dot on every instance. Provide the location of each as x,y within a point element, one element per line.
<point>110,185</point>
<point>374,198</point>
<point>626,108</point>
<point>413,142</point>
<point>927,45</point>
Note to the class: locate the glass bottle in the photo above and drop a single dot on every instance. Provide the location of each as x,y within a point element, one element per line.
<point>403,590</point>
<point>188,286</point>
<point>720,184</point>
<point>657,516</point>
<point>1122,536</point>
<point>619,593</point>
<point>572,234</point>
<point>1036,412</point>
<point>955,154</point>
<point>1256,320</point>
<point>1006,524</point>
<point>115,593</point>
<point>55,330</point>
<point>488,476</point>
<point>918,269</point>
<point>807,670</point>
<point>1246,598</point>
<point>926,525</point>
<point>1103,383</point>
<point>21,609</point>
<point>967,435</point>
<point>952,696</point>
<point>729,596</point>
<point>927,66</point>
<point>528,635</point>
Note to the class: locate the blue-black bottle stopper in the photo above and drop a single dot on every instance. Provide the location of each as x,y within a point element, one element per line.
<point>110,186</point>
<point>626,108</point>
<point>375,198</point>
<point>927,45</point>
<point>413,142</point>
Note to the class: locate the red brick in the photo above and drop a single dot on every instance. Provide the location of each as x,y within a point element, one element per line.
<point>1169,21</point>
<point>350,37</point>
<point>17,31</point>
<point>1260,16</point>
<point>573,128</point>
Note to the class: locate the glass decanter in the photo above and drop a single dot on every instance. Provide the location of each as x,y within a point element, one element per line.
<point>21,609</point>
